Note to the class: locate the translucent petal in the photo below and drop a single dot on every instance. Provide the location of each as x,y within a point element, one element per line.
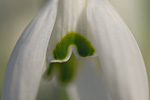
<point>121,61</point>
<point>24,68</point>
<point>50,91</point>
<point>88,84</point>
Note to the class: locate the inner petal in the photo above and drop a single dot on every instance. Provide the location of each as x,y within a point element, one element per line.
<point>71,33</point>
<point>71,18</point>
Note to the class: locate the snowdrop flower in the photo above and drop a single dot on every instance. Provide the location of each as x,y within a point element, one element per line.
<point>87,28</point>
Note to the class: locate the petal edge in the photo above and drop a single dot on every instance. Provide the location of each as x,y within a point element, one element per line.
<point>121,61</point>
<point>24,68</point>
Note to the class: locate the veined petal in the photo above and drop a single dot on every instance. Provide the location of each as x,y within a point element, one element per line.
<point>24,68</point>
<point>121,61</point>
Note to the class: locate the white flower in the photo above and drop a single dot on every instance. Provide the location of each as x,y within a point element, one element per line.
<point>104,35</point>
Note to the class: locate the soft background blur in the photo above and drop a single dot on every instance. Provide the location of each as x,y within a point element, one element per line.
<point>16,14</point>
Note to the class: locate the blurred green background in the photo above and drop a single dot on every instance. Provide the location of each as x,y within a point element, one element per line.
<point>16,14</point>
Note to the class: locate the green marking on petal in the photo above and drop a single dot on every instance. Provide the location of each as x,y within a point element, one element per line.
<point>84,47</point>
<point>65,71</point>
<point>50,70</point>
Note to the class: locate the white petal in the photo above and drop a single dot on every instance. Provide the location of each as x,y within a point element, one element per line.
<point>121,61</point>
<point>71,17</point>
<point>88,85</point>
<point>25,65</point>
<point>50,91</point>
